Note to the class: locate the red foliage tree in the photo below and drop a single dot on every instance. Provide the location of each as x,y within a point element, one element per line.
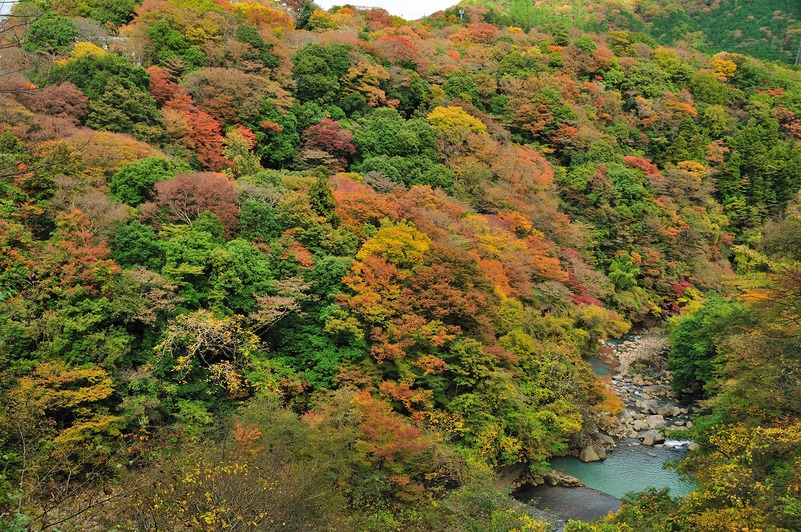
<point>74,258</point>
<point>329,136</point>
<point>533,117</point>
<point>63,101</point>
<point>162,87</point>
<point>196,129</point>
<point>385,436</point>
<point>643,164</point>
<point>187,196</point>
<point>227,94</point>
<point>379,18</point>
<point>397,49</point>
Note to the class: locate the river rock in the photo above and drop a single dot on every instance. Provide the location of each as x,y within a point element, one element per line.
<point>657,389</point>
<point>603,439</point>
<point>668,411</point>
<point>589,454</point>
<point>693,446</point>
<point>646,407</point>
<point>639,425</point>
<point>557,478</point>
<point>651,437</point>
<point>656,421</point>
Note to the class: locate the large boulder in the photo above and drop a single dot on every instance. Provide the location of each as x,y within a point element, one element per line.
<point>557,478</point>
<point>600,451</point>
<point>651,437</point>
<point>646,406</point>
<point>656,422</point>
<point>657,389</point>
<point>604,439</point>
<point>589,454</point>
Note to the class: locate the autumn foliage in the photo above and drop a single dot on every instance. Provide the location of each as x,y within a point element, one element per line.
<point>265,265</point>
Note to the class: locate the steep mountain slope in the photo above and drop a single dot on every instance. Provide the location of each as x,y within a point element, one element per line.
<point>255,261</point>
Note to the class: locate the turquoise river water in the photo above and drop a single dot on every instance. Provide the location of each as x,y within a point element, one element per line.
<point>628,469</point>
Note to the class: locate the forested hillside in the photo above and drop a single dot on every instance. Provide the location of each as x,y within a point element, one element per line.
<point>274,267</point>
<point>765,29</point>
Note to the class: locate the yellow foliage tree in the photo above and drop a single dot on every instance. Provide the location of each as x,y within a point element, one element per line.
<point>65,398</point>
<point>723,67</point>
<point>451,119</point>
<point>399,244</point>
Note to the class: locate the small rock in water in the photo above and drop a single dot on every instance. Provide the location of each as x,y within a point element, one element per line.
<point>693,446</point>
<point>650,453</point>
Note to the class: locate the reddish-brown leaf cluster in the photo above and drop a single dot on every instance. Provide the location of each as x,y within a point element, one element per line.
<point>183,199</point>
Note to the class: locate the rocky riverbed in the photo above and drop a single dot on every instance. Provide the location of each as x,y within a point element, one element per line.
<point>635,438</point>
<point>643,382</point>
